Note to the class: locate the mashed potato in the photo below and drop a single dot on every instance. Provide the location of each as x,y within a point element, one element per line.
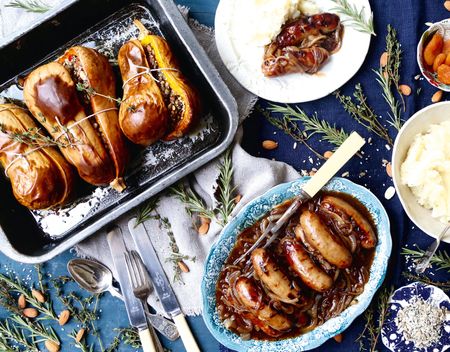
<point>264,18</point>
<point>426,170</point>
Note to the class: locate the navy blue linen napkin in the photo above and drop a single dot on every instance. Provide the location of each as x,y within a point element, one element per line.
<point>408,17</point>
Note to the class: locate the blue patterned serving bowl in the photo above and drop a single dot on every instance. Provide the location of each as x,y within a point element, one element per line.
<point>250,214</point>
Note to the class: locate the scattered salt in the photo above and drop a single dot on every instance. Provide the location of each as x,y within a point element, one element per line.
<point>390,192</point>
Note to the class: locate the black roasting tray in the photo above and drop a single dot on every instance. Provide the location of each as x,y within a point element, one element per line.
<point>37,236</point>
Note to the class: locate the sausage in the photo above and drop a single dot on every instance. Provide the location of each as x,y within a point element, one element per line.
<point>251,296</point>
<point>366,233</point>
<point>91,71</point>
<point>319,236</point>
<point>50,94</point>
<point>180,97</point>
<point>271,275</point>
<point>300,262</point>
<point>143,115</point>
<point>40,176</point>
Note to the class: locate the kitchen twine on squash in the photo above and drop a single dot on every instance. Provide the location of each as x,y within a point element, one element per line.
<point>147,71</point>
<point>65,132</point>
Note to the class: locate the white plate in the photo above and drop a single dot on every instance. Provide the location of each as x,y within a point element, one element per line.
<point>244,61</point>
<point>417,124</point>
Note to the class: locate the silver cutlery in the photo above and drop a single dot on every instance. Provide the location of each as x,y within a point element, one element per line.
<point>339,158</point>
<point>161,284</point>
<point>431,250</point>
<point>141,288</point>
<point>135,309</point>
<point>97,278</point>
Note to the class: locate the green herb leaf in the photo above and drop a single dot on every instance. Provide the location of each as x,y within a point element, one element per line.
<point>357,18</point>
<point>30,5</point>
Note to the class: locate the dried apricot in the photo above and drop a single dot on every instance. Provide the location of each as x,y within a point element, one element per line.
<point>438,61</point>
<point>446,47</point>
<point>443,72</point>
<point>433,49</point>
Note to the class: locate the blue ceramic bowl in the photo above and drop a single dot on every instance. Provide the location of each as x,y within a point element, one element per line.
<point>250,214</point>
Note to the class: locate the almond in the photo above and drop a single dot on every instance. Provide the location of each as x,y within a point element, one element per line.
<point>338,338</point>
<point>182,265</point>
<point>51,346</point>
<point>30,312</point>
<point>21,301</point>
<point>80,334</point>
<point>312,172</point>
<point>38,295</point>
<point>385,75</point>
<point>447,5</point>
<point>64,317</point>
<point>327,154</point>
<point>237,199</point>
<point>384,59</point>
<point>203,229</point>
<point>269,145</point>
<point>205,220</point>
<point>389,169</point>
<point>405,89</point>
<point>437,96</point>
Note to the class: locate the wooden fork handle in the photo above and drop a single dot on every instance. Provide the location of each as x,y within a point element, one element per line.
<point>185,333</point>
<point>147,342</point>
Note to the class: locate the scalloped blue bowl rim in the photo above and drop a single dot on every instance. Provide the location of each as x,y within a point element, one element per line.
<point>261,205</point>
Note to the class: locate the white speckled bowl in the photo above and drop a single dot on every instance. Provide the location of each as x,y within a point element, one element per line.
<point>251,213</point>
<point>417,124</point>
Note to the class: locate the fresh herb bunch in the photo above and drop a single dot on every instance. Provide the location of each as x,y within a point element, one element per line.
<point>289,127</point>
<point>440,259</point>
<point>375,317</point>
<point>311,124</point>
<point>357,18</point>
<point>30,5</point>
<point>361,112</point>
<point>388,77</point>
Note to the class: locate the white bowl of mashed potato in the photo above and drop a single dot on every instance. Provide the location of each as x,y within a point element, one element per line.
<point>421,168</point>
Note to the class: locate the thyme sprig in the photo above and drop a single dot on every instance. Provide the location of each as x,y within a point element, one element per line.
<point>361,112</point>
<point>312,124</point>
<point>30,5</point>
<point>91,91</point>
<point>444,285</point>
<point>129,336</point>
<point>441,259</point>
<point>388,77</point>
<point>290,128</point>
<point>375,317</point>
<point>357,18</point>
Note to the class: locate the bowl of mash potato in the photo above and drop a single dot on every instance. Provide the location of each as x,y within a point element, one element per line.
<point>421,168</point>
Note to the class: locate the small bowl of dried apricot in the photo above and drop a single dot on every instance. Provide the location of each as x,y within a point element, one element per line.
<point>433,55</point>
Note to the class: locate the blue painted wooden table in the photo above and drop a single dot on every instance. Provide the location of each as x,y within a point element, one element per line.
<point>408,17</point>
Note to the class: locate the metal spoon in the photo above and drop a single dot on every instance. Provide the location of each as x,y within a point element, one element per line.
<point>96,278</point>
<point>425,260</point>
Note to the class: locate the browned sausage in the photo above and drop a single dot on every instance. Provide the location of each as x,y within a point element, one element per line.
<point>319,236</point>
<point>304,266</point>
<point>338,205</point>
<point>251,296</point>
<point>271,275</point>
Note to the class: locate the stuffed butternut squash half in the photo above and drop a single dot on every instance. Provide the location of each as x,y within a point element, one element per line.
<point>74,99</point>
<point>40,176</point>
<point>158,101</point>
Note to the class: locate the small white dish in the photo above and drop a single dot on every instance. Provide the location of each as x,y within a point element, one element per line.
<point>244,60</point>
<point>419,123</point>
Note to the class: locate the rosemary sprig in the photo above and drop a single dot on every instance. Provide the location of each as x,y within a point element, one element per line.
<point>91,91</point>
<point>290,128</point>
<point>370,335</point>
<point>441,259</point>
<point>194,204</point>
<point>36,330</point>
<point>145,212</point>
<point>225,190</point>
<point>10,333</point>
<point>30,5</point>
<point>357,18</point>
<point>363,113</point>
<point>444,285</point>
<point>388,78</point>
<point>46,308</point>
<point>312,124</point>
<point>81,345</point>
